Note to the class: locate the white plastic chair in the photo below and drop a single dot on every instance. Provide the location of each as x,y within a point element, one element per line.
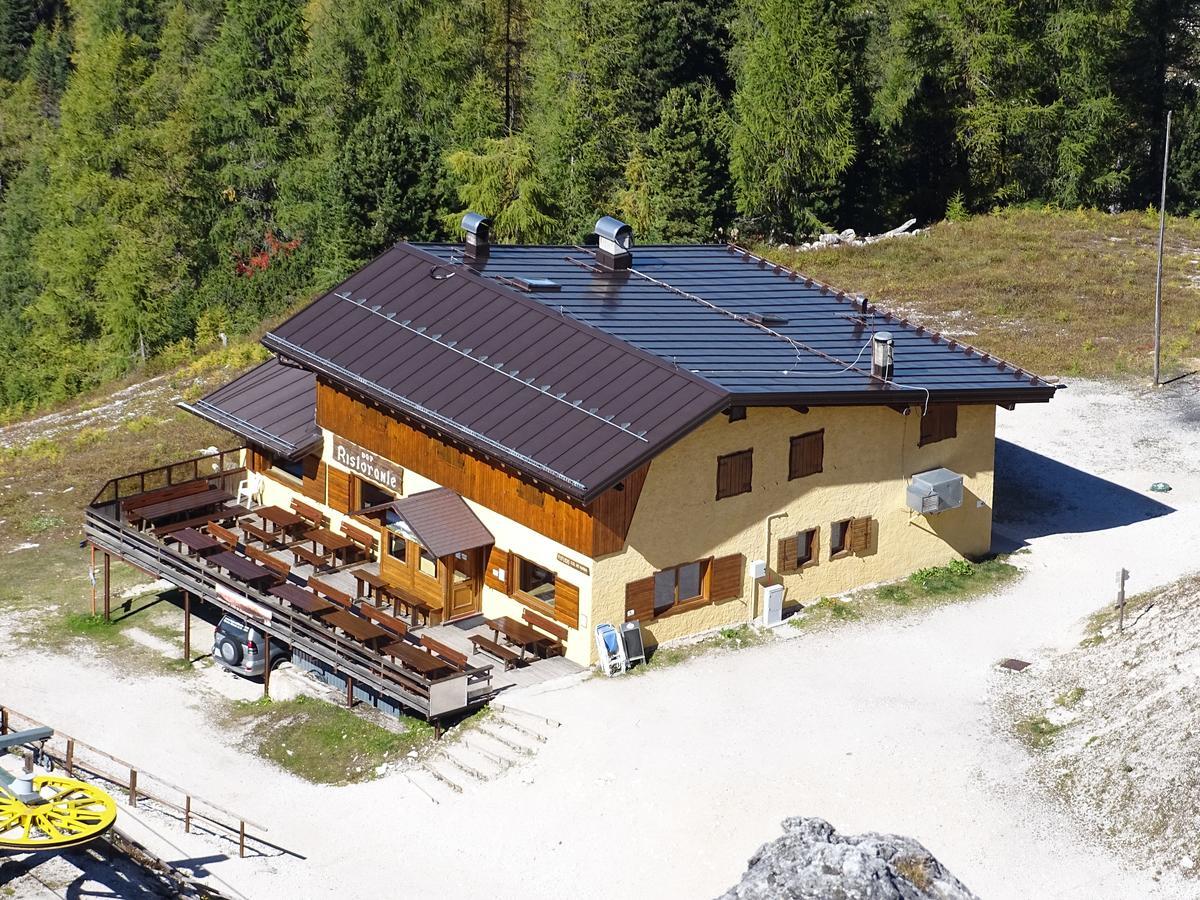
<point>249,489</point>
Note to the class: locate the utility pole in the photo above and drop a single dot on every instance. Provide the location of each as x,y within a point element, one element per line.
<point>1122,577</point>
<point>1162,229</point>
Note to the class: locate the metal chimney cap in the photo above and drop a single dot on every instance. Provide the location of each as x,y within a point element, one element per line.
<point>616,231</point>
<point>883,337</point>
<point>476,224</point>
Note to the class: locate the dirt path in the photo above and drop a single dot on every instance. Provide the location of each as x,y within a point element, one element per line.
<point>662,786</point>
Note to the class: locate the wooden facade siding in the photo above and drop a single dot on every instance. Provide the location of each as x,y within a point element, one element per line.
<point>476,479</point>
<point>939,423</point>
<point>313,486</point>
<point>566,602</point>
<point>612,513</point>
<point>807,456</point>
<point>735,473</point>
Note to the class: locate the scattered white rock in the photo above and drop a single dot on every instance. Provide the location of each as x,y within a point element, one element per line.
<point>26,546</point>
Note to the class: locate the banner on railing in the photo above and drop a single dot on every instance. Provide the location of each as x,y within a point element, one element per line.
<point>244,604</point>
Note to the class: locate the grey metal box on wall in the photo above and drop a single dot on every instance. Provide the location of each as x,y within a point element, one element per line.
<point>935,491</point>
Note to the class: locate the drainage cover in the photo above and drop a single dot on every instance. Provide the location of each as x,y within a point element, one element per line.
<point>1017,665</point>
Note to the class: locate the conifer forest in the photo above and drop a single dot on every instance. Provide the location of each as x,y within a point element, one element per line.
<point>175,170</point>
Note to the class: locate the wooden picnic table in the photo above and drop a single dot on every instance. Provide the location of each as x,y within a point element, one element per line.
<point>332,543</point>
<point>376,586</point>
<point>518,633</point>
<point>183,505</point>
<point>279,517</point>
<point>302,599</point>
<point>420,661</point>
<point>356,626</point>
<point>197,541</point>
<point>241,568</point>
<point>413,604</point>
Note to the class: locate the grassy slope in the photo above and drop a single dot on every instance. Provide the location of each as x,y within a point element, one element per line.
<point>1057,292</point>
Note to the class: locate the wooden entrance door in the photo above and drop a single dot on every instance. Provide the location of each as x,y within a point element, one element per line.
<point>466,575</point>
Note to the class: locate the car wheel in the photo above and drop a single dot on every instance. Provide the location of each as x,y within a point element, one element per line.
<point>231,653</point>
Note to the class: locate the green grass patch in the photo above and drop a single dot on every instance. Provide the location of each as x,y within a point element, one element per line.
<point>735,637</point>
<point>957,580</point>
<point>1038,731</point>
<point>324,743</point>
<point>1070,699</point>
<point>43,522</point>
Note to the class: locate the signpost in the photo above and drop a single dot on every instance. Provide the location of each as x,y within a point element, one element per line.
<point>1122,577</point>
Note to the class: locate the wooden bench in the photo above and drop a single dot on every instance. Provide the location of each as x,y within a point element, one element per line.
<point>171,492</point>
<point>219,515</point>
<point>487,645</point>
<point>309,514</point>
<point>303,554</point>
<point>552,646</point>
<point>254,531</point>
<point>384,620</point>
<point>449,654</point>
<point>329,592</point>
<point>281,569</point>
<point>364,541</point>
<point>224,535</point>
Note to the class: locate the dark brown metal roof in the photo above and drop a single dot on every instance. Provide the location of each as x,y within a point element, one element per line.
<point>442,522</point>
<point>478,362</point>
<point>271,406</point>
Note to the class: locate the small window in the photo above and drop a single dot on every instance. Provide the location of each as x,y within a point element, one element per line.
<point>807,455</point>
<point>735,473</point>
<point>939,423</point>
<point>397,547</point>
<point>805,544</point>
<point>428,564</point>
<point>798,551</point>
<point>371,495</point>
<point>462,568</point>
<point>839,537</point>
<point>535,581</point>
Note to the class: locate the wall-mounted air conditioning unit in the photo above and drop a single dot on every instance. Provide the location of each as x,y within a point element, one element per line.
<point>935,491</point>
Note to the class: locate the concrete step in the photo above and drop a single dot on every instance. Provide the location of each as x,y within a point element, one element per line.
<point>467,761</point>
<point>496,733</point>
<point>433,767</point>
<point>513,725</point>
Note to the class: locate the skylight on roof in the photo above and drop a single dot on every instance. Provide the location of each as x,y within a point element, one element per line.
<point>536,284</point>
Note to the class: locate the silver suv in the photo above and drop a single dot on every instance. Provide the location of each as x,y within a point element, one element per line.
<point>240,648</point>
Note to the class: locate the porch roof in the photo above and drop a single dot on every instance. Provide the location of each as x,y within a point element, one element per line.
<point>442,521</point>
<point>272,406</point>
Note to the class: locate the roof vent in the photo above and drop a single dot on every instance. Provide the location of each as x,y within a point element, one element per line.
<point>615,250</point>
<point>531,285</point>
<point>768,320</point>
<point>883,355</point>
<point>477,227</point>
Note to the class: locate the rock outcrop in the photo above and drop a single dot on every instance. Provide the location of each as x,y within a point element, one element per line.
<point>811,861</point>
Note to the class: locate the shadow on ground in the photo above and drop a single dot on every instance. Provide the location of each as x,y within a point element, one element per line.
<point>1036,496</point>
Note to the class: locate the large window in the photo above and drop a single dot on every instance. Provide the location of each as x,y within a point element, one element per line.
<point>807,455</point>
<point>370,494</point>
<point>534,581</point>
<point>679,584</point>
<point>735,472</point>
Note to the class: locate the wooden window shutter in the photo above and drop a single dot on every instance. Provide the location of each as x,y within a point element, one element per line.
<point>339,490</point>
<point>939,423</point>
<point>566,602</point>
<point>735,473</point>
<point>807,454</point>
<point>313,485</point>
<point>639,599</point>
<point>789,552</point>
<point>497,562</point>
<point>859,540</point>
<point>726,578</point>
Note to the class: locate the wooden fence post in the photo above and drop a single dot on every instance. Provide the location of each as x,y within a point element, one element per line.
<point>107,591</point>
<point>133,788</point>
<point>70,762</point>
<point>92,573</point>
<point>3,720</point>
<point>187,814</point>
<point>242,839</point>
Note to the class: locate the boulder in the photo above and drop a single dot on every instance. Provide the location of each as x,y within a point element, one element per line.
<point>811,861</point>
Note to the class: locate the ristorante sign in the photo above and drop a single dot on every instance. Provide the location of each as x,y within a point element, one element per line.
<point>367,464</point>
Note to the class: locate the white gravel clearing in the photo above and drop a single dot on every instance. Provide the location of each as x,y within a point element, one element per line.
<point>662,786</point>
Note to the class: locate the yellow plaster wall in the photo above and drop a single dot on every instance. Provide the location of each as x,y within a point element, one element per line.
<point>870,452</point>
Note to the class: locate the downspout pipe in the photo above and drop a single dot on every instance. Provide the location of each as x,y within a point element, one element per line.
<point>766,559</point>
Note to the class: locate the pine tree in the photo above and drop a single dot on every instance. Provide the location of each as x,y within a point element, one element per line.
<point>18,19</point>
<point>793,132</point>
<point>501,181</point>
